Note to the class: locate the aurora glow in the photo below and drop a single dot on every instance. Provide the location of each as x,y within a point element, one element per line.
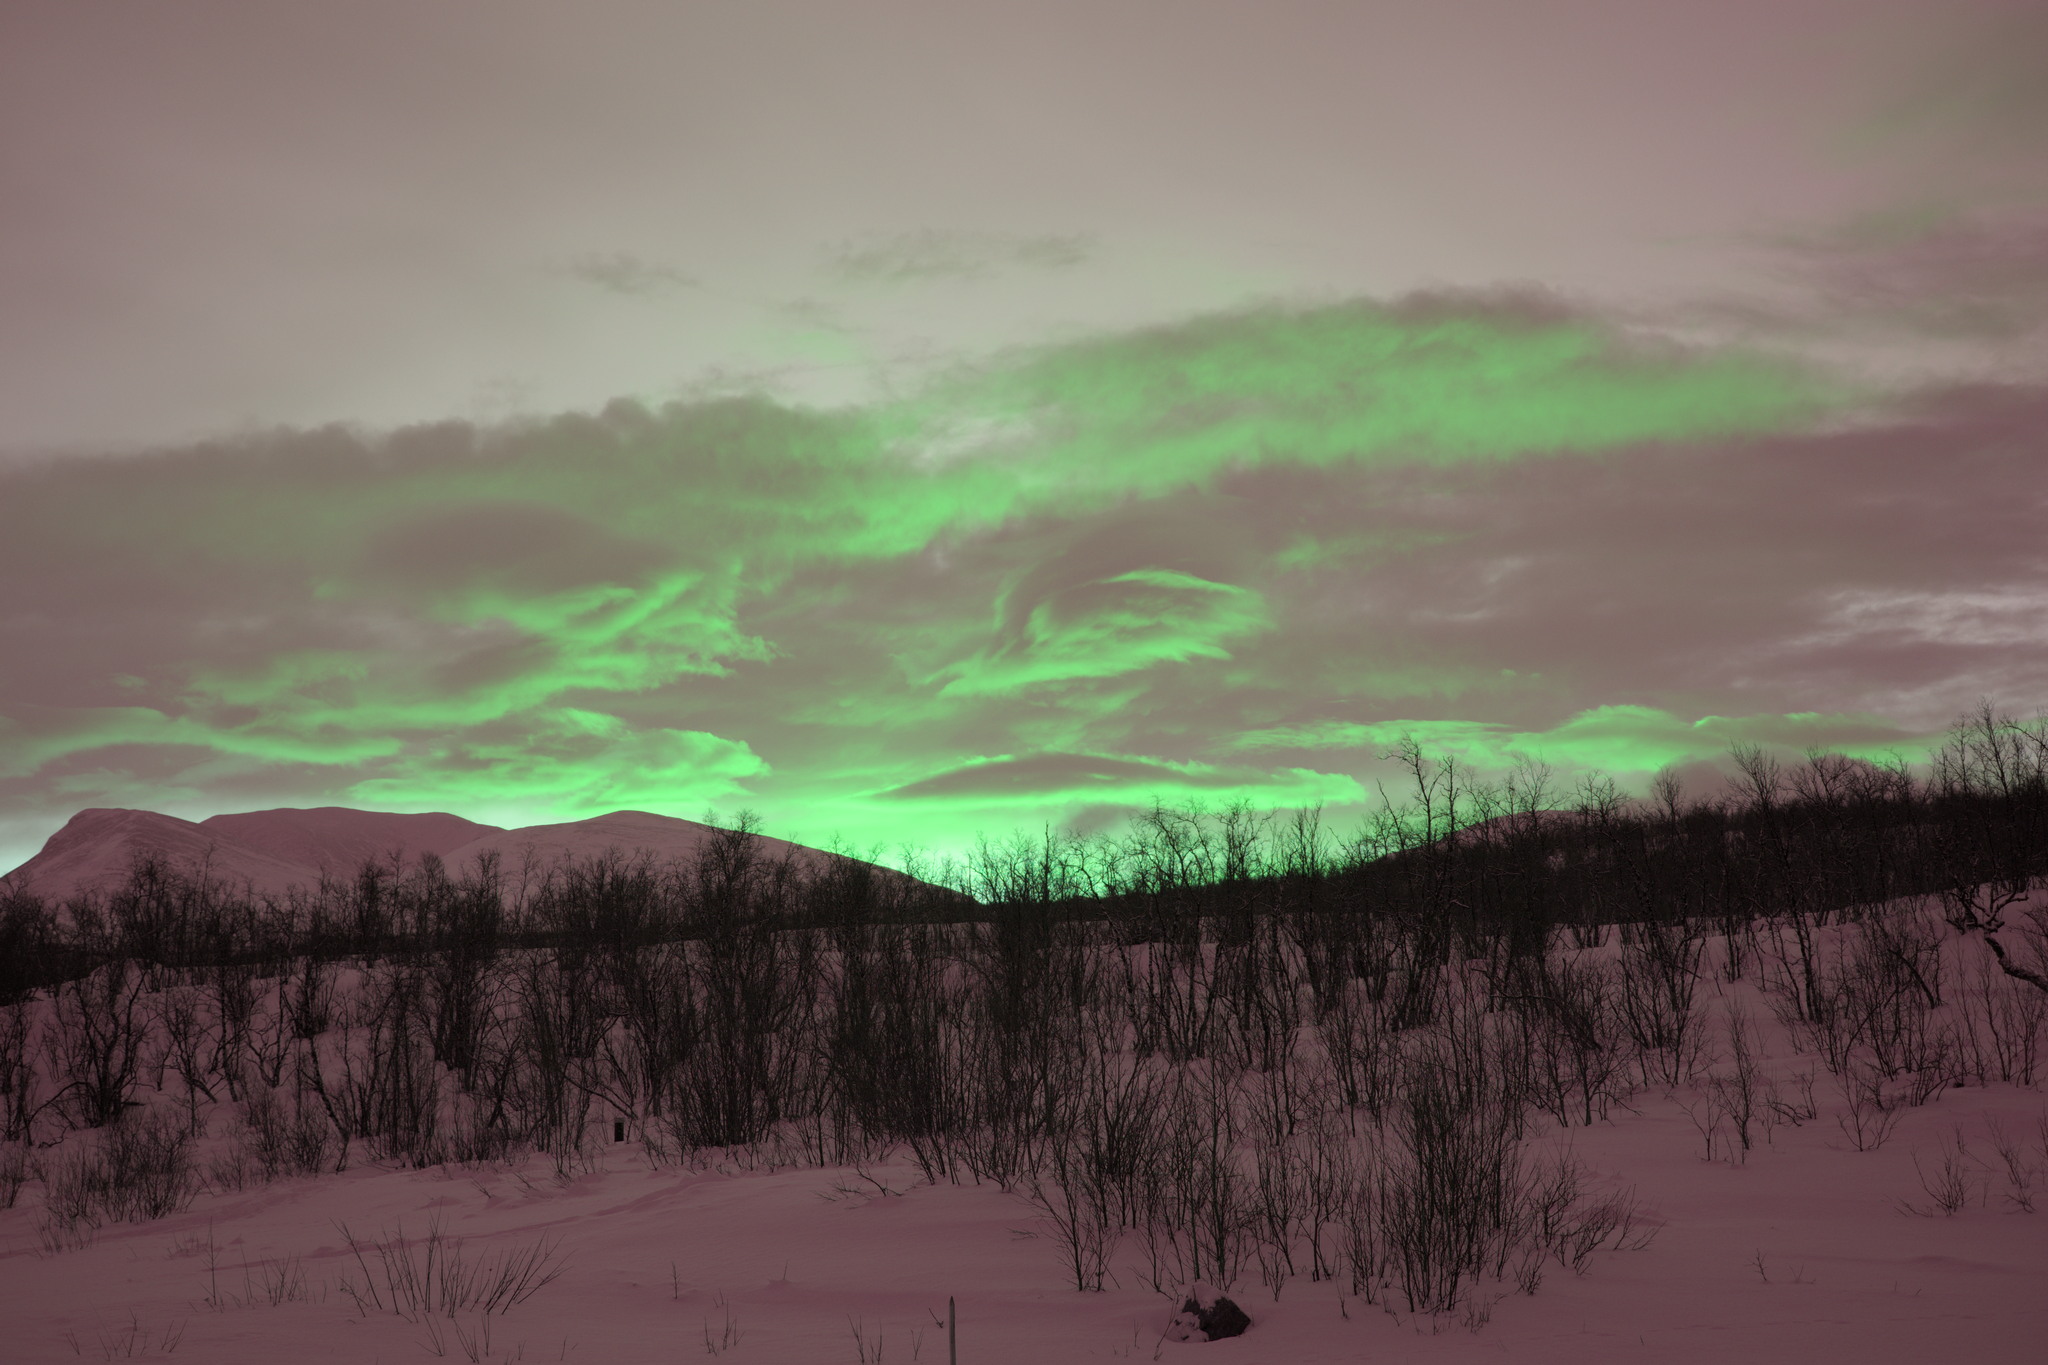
<point>1226,536</point>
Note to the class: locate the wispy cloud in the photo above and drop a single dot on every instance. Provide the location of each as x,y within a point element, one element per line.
<point>931,254</point>
<point>622,272</point>
<point>1627,741</point>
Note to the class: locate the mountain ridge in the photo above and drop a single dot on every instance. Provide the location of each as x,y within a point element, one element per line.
<point>272,851</point>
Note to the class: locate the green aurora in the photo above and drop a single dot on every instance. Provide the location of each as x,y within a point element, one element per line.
<point>1053,587</point>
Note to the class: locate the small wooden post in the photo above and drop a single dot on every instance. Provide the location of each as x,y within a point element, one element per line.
<point>952,1344</point>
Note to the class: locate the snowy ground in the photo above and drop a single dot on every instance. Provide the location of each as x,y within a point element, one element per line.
<point>1801,1254</point>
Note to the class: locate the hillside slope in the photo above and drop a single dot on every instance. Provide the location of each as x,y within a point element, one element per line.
<point>272,851</point>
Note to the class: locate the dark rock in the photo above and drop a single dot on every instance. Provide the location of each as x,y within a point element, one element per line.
<point>1218,1319</point>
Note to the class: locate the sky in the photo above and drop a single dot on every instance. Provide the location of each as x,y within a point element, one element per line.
<point>915,420</point>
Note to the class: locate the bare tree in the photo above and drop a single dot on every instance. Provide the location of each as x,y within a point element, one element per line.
<point>1992,777</point>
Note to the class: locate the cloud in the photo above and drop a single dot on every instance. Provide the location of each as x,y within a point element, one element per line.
<point>563,763</point>
<point>1429,380</point>
<point>622,272</point>
<point>1944,262</point>
<point>931,255</point>
<point>1091,779</point>
<point>1942,274</point>
<point>1179,561</point>
<point>1994,615</point>
<point>39,736</point>
<point>1622,740</point>
<point>1108,627</point>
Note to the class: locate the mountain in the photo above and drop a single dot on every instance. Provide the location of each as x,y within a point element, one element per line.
<point>632,832</point>
<point>273,850</point>
<point>95,849</point>
<point>340,839</point>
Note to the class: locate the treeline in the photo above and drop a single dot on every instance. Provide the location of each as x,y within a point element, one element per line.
<point>163,916</point>
<point>1450,864</point>
<point>1454,866</point>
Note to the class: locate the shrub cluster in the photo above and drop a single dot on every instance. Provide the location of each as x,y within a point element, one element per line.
<point>1214,1047</point>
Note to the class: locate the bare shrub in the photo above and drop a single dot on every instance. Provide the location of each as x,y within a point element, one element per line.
<point>1797,1105</point>
<point>14,1171</point>
<point>1435,1207</point>
<point>1569,1223</point>
<point>418,1277</point>
<point>1328,1174</point>
<point>232,1167</point>
<point>21,1084</point>
<point>130,1339</point>
<point>137,1169</point>
<point>1948,1184</point>
<point>2004,1026</point>
<point>288,1134</point>
<point>1445,1197</point>
<point>1360,1050</point>
<point>1075,1210</point>
<point>1657,990</point>
<point>1197,1220</point>
<point>374,1074</point>
<point>1737,1106</point>
<point>1870,1109</point>
<point>728,1333</point>
<point>191,1043</point>
<point>95,1040</point>
<point>271,1280</point>
<point>1579,1066</point>
<point>2016,1165</point>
